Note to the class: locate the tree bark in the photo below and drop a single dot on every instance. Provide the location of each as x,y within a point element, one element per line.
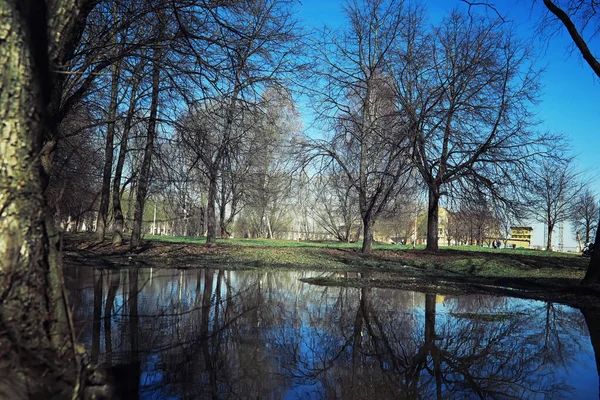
<point>592,274</point>
<point>223,212</point>
<point>142,186</point>
<point>108,156</point>
<point>119,221</point>
<point>211,218</point>
<point>549,241</point>
<point>367,245</point>
<point>33,316</point>
<point>432,220</point>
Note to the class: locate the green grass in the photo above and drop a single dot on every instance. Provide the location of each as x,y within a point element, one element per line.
<point>452,260</point>
<point>356,245</point>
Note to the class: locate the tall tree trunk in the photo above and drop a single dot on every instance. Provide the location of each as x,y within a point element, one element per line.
<point>432,220</point>
<point>368,223</point>
<point>33,315</point>
<point>223,211</point>
<point>211,218</point>
<point>108,151</point>
<point>588,229</point>
<point>142,186</point>
<point>593,272</point>
<point>119,221</point>
<point>549,241</point>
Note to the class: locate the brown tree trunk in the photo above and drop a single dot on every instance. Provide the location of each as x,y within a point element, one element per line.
<point>367,245</point>
<point>33,313</point>
<point>108,155</point>
<point>549,241</point>
<point>142,186</point>
<point>432,220</point>
<point>119,221</point>
<point>223,212</point>
<point>211,218</point>
<point>592,274</point>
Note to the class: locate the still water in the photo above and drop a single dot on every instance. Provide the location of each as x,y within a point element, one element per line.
<point>194,334</point>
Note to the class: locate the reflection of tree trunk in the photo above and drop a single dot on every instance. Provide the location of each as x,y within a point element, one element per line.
<point>110,300</point>
<point>97,315</point>
<point>133,376</point>
<point>428,347</point>
<point>429,319</point>
<point>357,337</point>
<point>430,342</point>
<point>216,317</point>
<point>592,320</point>
<point>204,330</point>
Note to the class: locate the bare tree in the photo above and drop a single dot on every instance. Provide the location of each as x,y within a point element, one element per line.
<point>554,189</point>
<point>335,206</point>
<point>584,215</point>
<point>268,179</point>
<point>578,17</point>
<point>142,181</point>
<point>466,88</point>
<point>355,99</point>
<point>253,48</point>
<point>475,222</point>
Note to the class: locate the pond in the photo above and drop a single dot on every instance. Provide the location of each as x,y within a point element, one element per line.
<point>180,334</point>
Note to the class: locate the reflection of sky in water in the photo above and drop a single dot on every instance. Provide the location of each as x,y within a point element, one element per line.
<point>268,335</point>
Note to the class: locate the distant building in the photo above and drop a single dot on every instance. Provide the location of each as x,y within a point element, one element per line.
<point>520,236</point>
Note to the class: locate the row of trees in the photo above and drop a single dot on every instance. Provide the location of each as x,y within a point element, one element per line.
<point>216,134</point>
<point>447,106</point>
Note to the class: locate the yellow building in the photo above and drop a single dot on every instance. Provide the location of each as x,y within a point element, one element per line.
<point>520,236</point>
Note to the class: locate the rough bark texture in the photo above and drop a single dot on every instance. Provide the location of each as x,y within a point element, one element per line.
<point>432,220</point>
<point>33,319</point>
<point>142,186</point>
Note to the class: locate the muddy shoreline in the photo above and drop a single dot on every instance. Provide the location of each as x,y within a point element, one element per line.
<point>383,269</point>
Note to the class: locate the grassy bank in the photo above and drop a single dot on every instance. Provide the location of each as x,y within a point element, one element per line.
<point>265,254</point>
<point>548,276</point>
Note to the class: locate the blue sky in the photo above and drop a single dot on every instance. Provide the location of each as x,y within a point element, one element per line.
<point>570,101</point>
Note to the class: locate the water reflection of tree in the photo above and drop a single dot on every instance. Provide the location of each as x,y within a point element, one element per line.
<point>383,355</point>
<point>217,334</point>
